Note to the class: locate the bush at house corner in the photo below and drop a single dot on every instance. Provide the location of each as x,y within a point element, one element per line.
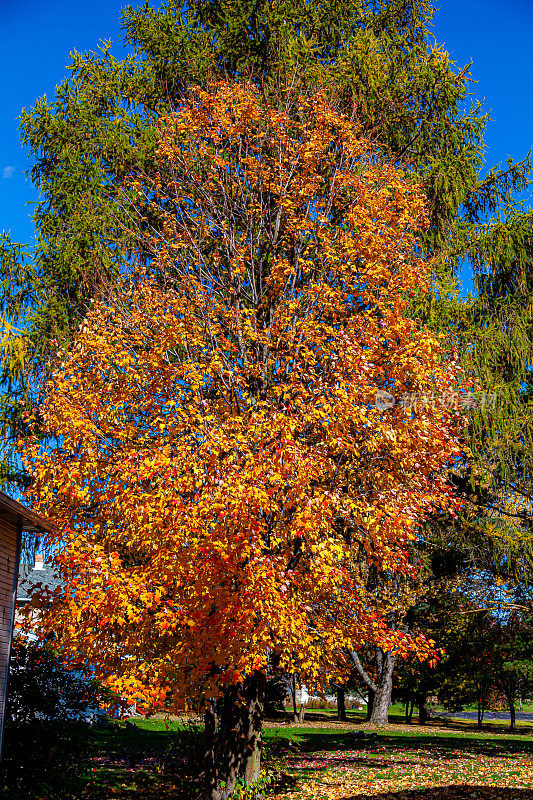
<point>47,730</point>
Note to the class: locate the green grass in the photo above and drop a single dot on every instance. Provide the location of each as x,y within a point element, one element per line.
<point>398,710</point>
<point>146,759</point>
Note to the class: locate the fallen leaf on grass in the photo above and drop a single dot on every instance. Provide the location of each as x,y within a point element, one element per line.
<point>406,774</point>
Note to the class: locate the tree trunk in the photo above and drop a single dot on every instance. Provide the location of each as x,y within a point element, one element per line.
<point>210,753</point>
<point>411,709</point>
<point>370,703</point>
<point>229,744</point>
<point>382,697</point>
<point>423,714</point>
<point>407,701</point>
<point>480,712</point>
<point>240,739</point>
<point>294,706</point>
<point>341,704</point>
<point>513,714</point>
<point>373,688</point>
<point>253,741</point>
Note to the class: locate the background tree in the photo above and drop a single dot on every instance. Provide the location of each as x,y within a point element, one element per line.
<point>222,477</point>
<point>472,569</point>
<point>482,624</point>
<point>464,673</point>
<point>391,597</point>
<point>514,648</point>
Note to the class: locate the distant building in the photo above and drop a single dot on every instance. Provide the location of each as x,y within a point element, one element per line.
<point>14,520</point>
<point>29,576</point>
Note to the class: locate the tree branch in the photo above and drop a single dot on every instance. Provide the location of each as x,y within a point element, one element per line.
<point>363,674</point>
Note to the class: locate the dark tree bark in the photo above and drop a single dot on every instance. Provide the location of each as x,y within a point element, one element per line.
<point>411,710</point>
<point>370,704</point>
<point>368,683</point>
<point>294,706</point>
<point>210,752</point>
<point>407,702</point>
<point>240,737</point>
<point>341,704</point>
<point>297,716</point>
<point>253,743</point>
<point>228,710</point>
<point>423,714</point>
<point>512,711</point>
<point>480,712</point>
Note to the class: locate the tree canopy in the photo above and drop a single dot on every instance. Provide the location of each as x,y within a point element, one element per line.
<point>222,475</point>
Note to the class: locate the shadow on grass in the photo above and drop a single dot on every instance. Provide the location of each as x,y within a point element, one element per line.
<point>329,740</point>
<point>145,764</point>
<point>468,744</point>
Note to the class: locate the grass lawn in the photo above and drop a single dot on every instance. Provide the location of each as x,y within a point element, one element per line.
<point>324,760</point>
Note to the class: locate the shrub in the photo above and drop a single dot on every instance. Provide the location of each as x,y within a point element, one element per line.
<point>40,688</point>
<point>318,702</point>
<point>42,760</point>
<point>46,733</point>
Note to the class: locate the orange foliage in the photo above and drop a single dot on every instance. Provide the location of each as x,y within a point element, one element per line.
<point>221,473</point>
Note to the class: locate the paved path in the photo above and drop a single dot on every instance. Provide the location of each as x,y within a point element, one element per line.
<point>488,715</point>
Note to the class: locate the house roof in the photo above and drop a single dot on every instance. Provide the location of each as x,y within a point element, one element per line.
<point>11,510</point>
<point>29,576</point>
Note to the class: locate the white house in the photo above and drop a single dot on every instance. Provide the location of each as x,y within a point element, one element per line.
<point>14,520</point>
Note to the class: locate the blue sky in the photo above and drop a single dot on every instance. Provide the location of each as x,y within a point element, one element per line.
<point>36,37</point>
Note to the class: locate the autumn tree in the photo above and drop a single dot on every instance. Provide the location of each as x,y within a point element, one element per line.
<point>377,61</point>
<point>222,476</point>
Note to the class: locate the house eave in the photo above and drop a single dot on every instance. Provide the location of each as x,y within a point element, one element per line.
<point>31,520</point>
